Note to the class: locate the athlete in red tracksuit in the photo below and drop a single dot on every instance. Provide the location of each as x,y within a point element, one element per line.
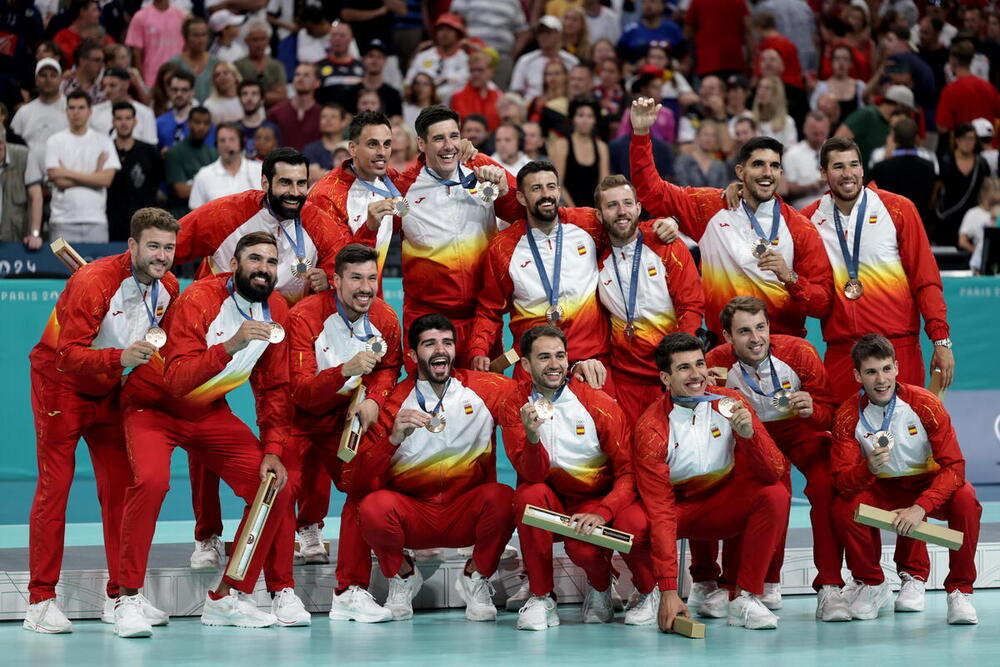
<point>433,456</point>
<point>920,473</point>
<point>96,331</point>
<point>705,477</point>
<point>219,336</point>
<point>793,277</point>
<point>328,335</point>
<point>572,455</point>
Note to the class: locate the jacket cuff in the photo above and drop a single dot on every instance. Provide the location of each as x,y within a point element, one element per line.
<point>116,360</point>
<point>667,584</point>
<point>605,513</point>
<point>938,332</point>
<point>273,448</point>
<point>926,504</point>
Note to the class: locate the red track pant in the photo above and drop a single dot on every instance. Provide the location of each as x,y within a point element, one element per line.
<point>224,445</point>
<point>595,561</point>
<point>864,544</point>
<point>482,516</point>
<point>635,394</point>
<point>61,418</point>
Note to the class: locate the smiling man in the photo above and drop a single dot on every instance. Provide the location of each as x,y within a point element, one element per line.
<point>894,447</point>
<point>101,326</point>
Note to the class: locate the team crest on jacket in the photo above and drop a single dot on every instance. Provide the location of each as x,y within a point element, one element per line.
<point>468,408</point>
<point>716,432</point>
<point>581,249</point>
<point>872,219</point>
<point>159,310</point>
<point>911,429</point>
<point>580,429</point>
<point>651,271</point>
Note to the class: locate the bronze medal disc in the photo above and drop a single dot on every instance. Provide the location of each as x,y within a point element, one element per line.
<point>727,406</point>
<point>156,337</point>
<point>782,400</point>
<point>544,409</point>
<point>853,289</point>
<point>436,424</point>
<point>277,333</point>
<point>553,314</point>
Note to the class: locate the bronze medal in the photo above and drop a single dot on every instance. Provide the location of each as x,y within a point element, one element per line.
<point>759,248</point>
<point>277,333</point>
<point>782,400</point>
<point>853,289</point>
<point>436,424</point>
<point>630,331</point>
<point>400,206</point>
<point>883,439</point>
<point>553,314</point>
<point>727,406</point>
<point>300,267</point>
<point>376,346</point>
<point>156,337</point>
<point>544,409</point>
<point>488,192</point>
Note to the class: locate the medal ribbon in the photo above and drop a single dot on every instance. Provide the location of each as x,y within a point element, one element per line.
<point>555,397</point>
<point>299,244</point>
<point>423,405</point>
<point>390,191</point>
<point>851,261</point>
<point>689,401</point>
<point>551,288</point>
<point>633,287</point>
<point>467,181</point>
<point>350,325</point>
<point>775,382</point>
<point>154,295</point>
<point>775,221</point>
<point>264,305</point>
<point>886,418</point>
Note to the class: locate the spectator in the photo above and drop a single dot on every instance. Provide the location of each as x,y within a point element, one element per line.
<point>195,56</point>
<point>828,104</point>
<point>967,97</point>
<point>298,118</point>
<point>847,91</point>
<point>368,100</point>
<point>230,174</point>
<point>602,22</point>
<point>421,93</point>
<point>833,32</point>
<point>265,140</point>
<point>603,50</point>
<point>408,32</point>
<point>446,61</point>
<point>766,27</point>
<point>580,81</point>
<point>20,196</point>
<point>115,84</point>
<point>576,37</point>
<point>508,141</point>
<point>675,85</point>
<point>985,215</point>
<point>160,92</point>
<point>719,34</point>
<point>185,158</point>
<point>404,146</point>
<point>480,95</point>
<point>373,61</point>
<point>904,170</point>
<point>85,16</point>
<point>227,46</point>
<point>501,25</point>
<point>86,75</point>
<point>260,67</point>
<point>80,164</point>
<point>313,37</point>
<point>654,26</point>
<point>332,121</point>
<point>711,105</point>
<point>372,19</point>
<point>859,36</point>
<point>172,125</point>
<point>136,183</point>
<point>119,55</point>
<point>883,152</point>
<point>984,133</point>
<point>252,103</point>
<point>550,109</point>
<point>154,35</point>
<point>534,142</point>
<point>528,76</point>
<point>869,126</point>
<point>770,111</point>
<point>797,22</point>
<point>649,83</point>
<point>474,129</point>
<point>802,184</point>
<point>962,175</point>
<point>904,67</point>
<point>737,99</point>
<point>701,168</point>
<point>796,99</point>
<point>931,50</point>
<point>224,101</point>
<point>340,72</point>
<point>45,115</point>
<point>512,109</point>
<point>581,160</point>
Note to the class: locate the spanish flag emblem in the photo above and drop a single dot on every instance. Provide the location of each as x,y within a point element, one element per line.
<point>581,249</point>
<point>651,271</point>
<point>716,432</point>
<point>872,219</point>
<point>786,385</point>
<point>159,311</point>
<point>580,430</point>
<point>911,429</point>
<point>468,408</point>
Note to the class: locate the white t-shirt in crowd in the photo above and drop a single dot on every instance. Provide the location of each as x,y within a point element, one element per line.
<point>527,78</point>
<point>101,119</point>
<point>801,164</point>
<point>36,121</point>
<point>976,219</point>
<point>80,152</point>
<point>606,25</point>
<point>311,49</point>
<point>224,109</point>
<point>214,180</point>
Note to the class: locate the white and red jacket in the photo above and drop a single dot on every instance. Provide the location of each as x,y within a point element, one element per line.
<point>897,268</point>
<point>925,456</point>
<point>682,453</point>
<point>192,373</point>
<point>584,452</point>
<point>213,230</point>
<point>725,237</point>
<point>101,311</point>
<point>669,298</point>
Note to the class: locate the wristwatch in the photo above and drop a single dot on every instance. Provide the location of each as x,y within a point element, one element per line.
<point>943,342</point>
<point>35,233</point>
<point>792,277</point>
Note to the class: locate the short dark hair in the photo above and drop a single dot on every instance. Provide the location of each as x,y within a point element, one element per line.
<point>117,72</point>
<point>612,181</point>
<point>363,120</point>
<point>963,51</point>
<point>354,253</point>
<point>757,144</point>
<point>201,111</point>
<point>250,83</point>
<point>581,102</point>
<point>189,22</point>
<point>284,154</point>
<point>476,118</point>
<point>233,127</point>
<point>122,106</point>
<point>679,341</point>
<point>534,167</point>
<point>529,337</point>
<point>152,217</point>
<point>251,239</point>
<point>426,323</point>
<point>871,346</point>
<point>836,145</point>
<point>80,95</point>
<point>904,132</point>
<point>85,47</point>
<point>765,20</point>
<point>432,115</point>
<point>184,76</point>
<point>745,304</point>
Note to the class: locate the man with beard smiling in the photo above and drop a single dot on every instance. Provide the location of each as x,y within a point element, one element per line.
<point>339,341</point>
<point>98,329</point>
<point>571,447</point>
<point>221,332</point>
<point>764,249</point>
<point>433,456</point>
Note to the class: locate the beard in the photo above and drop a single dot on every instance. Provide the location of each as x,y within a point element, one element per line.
<point>252,291</point>
<point>285,207</point>
<point>545,216</point>
<point>432,375</point>
<point>617,235</point>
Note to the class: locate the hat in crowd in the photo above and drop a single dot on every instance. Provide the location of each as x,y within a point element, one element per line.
<point>47,62</point>
<point>375,45</point>
<point>224,18</point>
<point>451,20</point>
<point>549,22</point>
<point>900,95</point>
<point>737,81</point>
<point>645,75</point>
<point>983,128</point>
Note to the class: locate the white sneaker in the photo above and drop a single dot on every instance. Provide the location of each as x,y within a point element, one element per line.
<point>153,615</point>
<point>208,554</point>
<point>357,604</point>
<point>596,606</point>
<point>869,600</point>
<point>715,604</point>
<point>642,609</point>
<point>960,609</point>
<point>699,591</point>
<point>520,596</point>
<point>538,613</point>
<point>130,621</point>
<point>832,605</point>
<point>312,549</point>
<point>911,593</point>
<point>772,596</point>
<point>289,610</point>
<point>401,594</point>
<point>47,618</point>
<point>747,611</point>
<point>477,592</point>
<point>236,609</point>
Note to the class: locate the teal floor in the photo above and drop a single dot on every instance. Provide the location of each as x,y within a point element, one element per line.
<point>445,639</point>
